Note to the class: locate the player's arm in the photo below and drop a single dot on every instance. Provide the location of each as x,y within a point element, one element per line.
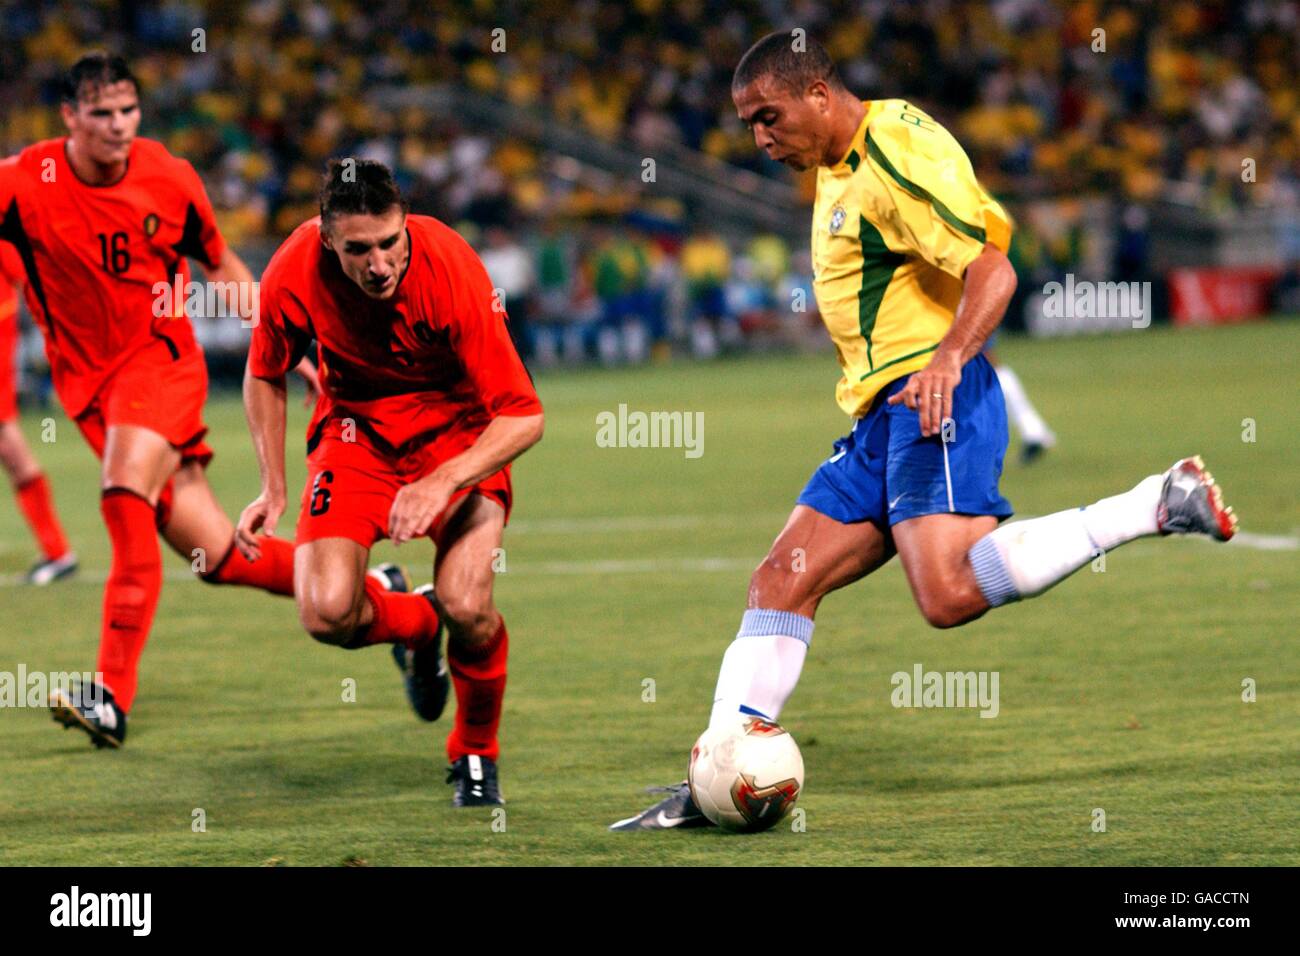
<point>264,406</point>
<point>230,268</point>
<point>419,503</point>
<point>933,206</point>
<point>277,345</point>
<point>989,284</point>
<point>479,335</point>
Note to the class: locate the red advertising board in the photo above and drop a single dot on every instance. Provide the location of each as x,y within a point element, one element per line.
<point>1219,296</point>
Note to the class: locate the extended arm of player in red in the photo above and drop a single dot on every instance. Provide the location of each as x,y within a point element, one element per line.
<point>264,404</point>
<point>276,347</point>
<point>272,351</point>
<point>505,439</point>
<point>482,340</point>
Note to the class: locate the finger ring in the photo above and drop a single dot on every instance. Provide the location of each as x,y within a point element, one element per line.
<point>936,394</point>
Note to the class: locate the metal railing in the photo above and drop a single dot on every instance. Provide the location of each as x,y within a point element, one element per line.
<point>732,200</point>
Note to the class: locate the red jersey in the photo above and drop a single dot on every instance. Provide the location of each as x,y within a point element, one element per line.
<point>94,254</point>
<point>433,359</point>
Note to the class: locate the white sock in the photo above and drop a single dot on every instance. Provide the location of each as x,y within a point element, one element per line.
<point>1028,422</point>
<point>761,667</point>
<point>1025,558</point>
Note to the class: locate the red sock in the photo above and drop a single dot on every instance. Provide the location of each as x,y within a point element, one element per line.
<point>399,618</point>
<point>37,505</point>
<point>131,593</point>
<point>273,571</point>
<point>480,678</point>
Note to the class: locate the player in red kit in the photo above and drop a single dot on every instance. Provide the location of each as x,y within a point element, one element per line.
<point>424,404</point>
<point>31,489</point>
<point>101,220</point>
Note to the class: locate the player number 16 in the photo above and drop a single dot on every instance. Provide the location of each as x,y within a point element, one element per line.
<point>114,256</point>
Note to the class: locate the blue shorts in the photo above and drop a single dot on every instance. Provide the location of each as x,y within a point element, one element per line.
<point>885,471</point>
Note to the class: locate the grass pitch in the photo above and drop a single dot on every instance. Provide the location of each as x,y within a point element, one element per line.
<point>1120,691</point>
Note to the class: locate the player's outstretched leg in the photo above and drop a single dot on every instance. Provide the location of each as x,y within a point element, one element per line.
<point>1025,558</point>
<point>477,645</point>
<point>36,502</point>
<point>959,566</point>
<point>136,464</point>
<point>197,528</point>
<point>813,556</point>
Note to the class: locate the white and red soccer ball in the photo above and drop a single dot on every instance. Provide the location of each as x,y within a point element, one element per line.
<point>746,776</point>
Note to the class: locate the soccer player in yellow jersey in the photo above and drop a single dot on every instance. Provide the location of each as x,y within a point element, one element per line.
<point>911,276</point>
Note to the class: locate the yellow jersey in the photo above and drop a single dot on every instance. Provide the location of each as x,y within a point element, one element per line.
<point>895,224</point>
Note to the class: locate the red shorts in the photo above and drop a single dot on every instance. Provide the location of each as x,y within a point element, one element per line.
<point>351,485</point>
<point>8,365</point>
<point>158,392</point>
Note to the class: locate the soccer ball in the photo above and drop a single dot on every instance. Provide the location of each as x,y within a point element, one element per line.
<point>746,776</point>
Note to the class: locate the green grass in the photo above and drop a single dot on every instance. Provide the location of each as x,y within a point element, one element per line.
<point>1119,690</point>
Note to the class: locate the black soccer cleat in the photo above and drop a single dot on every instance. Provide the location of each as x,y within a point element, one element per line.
<point>391,577</point>
<point>675,811</point>
<point>48,570</point>
<point>475,779</point>
<point>425,671</point>
<point>92,709</point>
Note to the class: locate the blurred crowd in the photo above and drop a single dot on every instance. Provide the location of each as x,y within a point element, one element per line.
<point>622,292</point>
<point>1054,100</point>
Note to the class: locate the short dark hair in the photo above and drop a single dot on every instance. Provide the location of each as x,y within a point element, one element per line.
<point>90,73</point>
<point>776,55</point>
<point>358,187</point>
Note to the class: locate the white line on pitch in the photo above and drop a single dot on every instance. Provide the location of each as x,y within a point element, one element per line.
<point>1265,542</point>
<point>640,566</point>
<point>608,566</point>
<point>614,525</point>
<point>1243,539</point>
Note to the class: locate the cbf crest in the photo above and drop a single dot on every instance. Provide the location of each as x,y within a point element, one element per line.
<point>838,216</point>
